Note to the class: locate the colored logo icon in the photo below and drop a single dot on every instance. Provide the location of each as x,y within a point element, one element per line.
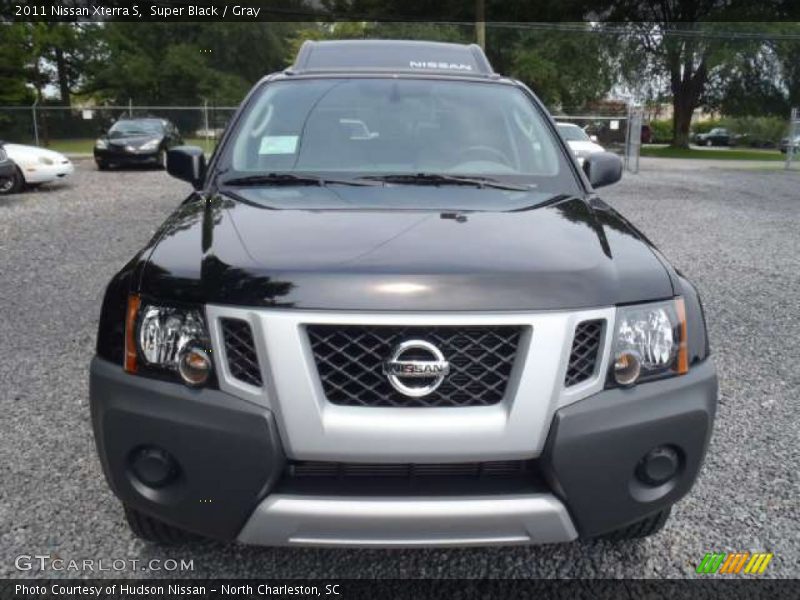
<point>734,563</point>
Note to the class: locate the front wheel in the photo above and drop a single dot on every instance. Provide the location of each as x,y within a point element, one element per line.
<point>101,165</point>
<point>12,184</point>
<point>153,530</point>
<point>708,143</point>
<point>644,528</point>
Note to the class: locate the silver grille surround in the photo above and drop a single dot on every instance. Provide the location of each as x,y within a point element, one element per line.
<point>312,428</point>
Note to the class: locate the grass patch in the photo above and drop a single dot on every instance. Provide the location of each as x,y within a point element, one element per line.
<point>86,145</point>
<point>744,154</point>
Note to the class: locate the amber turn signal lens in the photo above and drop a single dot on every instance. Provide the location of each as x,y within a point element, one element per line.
<point>134,301</point>
<point>682,366</point>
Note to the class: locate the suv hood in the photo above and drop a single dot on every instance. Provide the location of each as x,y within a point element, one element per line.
<point>377,257</point>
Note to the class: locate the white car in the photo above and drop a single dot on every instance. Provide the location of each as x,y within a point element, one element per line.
<point>38,165</point>
<point>581,144</point>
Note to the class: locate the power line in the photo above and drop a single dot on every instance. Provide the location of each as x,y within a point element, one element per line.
<point>600,28</point>
<point>622,29</point>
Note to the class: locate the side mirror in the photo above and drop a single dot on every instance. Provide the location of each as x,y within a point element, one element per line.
<point>603,168</point>
<point>187,163</point>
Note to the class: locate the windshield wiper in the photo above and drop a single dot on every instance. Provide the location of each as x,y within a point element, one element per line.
<point>291,179</point>
<point>546,202</point>
<point>442,179</point>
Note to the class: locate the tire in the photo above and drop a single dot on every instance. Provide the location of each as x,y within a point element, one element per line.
<point>101,165</point>
<point>13,184</point>
<point>640,529</point>
<point>153,530</point>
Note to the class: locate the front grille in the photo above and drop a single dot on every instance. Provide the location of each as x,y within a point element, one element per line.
<point>585,351</point>
<point>240,351</point>
<point>350,361</point>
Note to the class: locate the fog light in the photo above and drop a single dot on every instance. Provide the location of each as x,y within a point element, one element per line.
<point>658,466</point>
<point>194,366</point>
<point>627,368</point>
<point>154,467</point>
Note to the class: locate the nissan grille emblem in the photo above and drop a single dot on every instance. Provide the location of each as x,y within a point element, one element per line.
<point>409,364</point>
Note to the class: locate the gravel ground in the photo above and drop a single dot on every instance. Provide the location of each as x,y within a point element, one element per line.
<point>735,233</point>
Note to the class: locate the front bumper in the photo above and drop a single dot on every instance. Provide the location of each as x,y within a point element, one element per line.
<point>232,461</point>
<point>40,173</point>
<point>408,521</point>
<point>121,156</point>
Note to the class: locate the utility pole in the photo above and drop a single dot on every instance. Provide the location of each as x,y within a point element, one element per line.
<point>35,125</point>
<point>480,23</point>
<point>793,130</point>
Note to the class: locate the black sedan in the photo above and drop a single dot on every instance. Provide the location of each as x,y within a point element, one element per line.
<point>136,141</point>
<point>718,136</point>
<point>10,180</point>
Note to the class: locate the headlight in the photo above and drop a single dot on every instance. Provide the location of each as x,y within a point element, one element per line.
<point>101,144</point>
<point>649,342</point>
<point>167,339</point>
<point>43,160</point>
<point>151,145</point>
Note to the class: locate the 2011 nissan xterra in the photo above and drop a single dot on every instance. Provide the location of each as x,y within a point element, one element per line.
<point>394,312</point>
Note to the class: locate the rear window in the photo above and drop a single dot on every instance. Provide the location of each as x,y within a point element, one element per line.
<point>573,133</point>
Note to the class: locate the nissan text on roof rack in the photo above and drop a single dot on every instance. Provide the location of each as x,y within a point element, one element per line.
<point>395,312</point>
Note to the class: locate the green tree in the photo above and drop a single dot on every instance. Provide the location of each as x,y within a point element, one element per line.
<point>751,83</point>
<point>163,63</point>
<point>787,55</point>
<point>14,66</point>
<point>172,63</point>
<point>680,46</point>
<point>566,69</point>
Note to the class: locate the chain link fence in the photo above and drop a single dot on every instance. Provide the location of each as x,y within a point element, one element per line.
<point>73,130</point>
<point>619,132</point>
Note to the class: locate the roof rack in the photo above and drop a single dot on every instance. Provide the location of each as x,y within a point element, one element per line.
<point>392,56</point>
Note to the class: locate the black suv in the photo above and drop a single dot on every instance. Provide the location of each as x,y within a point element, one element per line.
<point>394,312</point>
<point>136,141</point>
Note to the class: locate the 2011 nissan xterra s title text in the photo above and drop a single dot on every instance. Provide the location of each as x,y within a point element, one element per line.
<point>394,312</point>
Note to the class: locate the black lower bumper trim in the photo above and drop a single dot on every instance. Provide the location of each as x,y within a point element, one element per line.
<point>595,445</point>
<point>227,450</point>
<point>120,158</point>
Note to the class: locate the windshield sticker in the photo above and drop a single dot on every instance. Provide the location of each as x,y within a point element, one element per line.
<point>278,144</point>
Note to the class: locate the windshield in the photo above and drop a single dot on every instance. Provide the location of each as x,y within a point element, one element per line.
<point>378,126</point>
<point>573,133</point>
<point>136,127</point>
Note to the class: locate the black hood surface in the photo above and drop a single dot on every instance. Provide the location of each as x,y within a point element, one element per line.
<point>401,248</point>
